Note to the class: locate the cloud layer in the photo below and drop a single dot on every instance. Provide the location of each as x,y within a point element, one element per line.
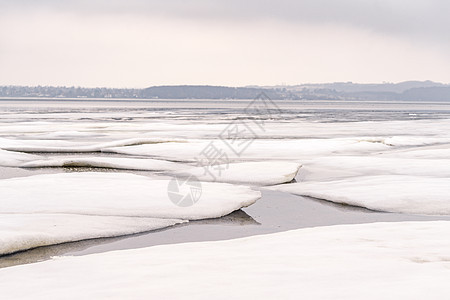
<point>140,43</point>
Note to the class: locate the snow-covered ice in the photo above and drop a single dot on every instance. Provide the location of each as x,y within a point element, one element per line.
<point>400,166</point>
<point>43,210</point>
<point>391,193</point>
<point>212,127</point>
<point>14,159</point>
<point>257,173</point>
<point>373,261</point>
<point>257,150</point>
<point>20,232</point>
<point>254,173</point>
<point>381,165</point>
<point>416,140</point>
<point>63,146</point>
<point>144,164</point>
<point>116,194</point>
<point>440,152</point>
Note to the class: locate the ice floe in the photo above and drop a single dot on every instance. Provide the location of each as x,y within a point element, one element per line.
<point>415,140</point>
<point>44,210</point>
<point>117,194</point>
<point>62,146</point>
<point>258,173</point>
<point>144,164</point>
<point>442,152</point>
<point>255,173</point>
<point>381,165</point>
<point>408,140</point>
<point>256,149</point>
<point>14,159</point>
<point>20,232</point>
<point>373,261</point>
<point>210,127</point>
<point>391,193</point>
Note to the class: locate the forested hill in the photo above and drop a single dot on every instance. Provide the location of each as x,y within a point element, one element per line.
<point>214,92</point>
<point>410,90</point>
<point>157,92</point>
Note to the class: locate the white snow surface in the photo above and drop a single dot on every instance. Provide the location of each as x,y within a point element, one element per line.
<point>383,165</point>
<point>258,149</point>
<point>117,194</point>
<point>20,232</point>
<point>391,193</point>
<point>441,152</point>
<point>212,128</point>
<point>254,173</point>
<point>50,209</point>
<point>407,260</point>
<point>14,159</point>
<point>63,146</point>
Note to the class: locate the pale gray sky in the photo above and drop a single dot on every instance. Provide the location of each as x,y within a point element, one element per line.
<point>137,43</point>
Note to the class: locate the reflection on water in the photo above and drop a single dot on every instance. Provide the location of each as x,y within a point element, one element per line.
<point>238,217</point>
<point>6,172</point>
<point>45,253</point>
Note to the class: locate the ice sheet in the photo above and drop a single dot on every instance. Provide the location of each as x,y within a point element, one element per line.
<point>382,165</point>
<point>117,194</point>
<point>13,159</point>
<point>258,173</point>
<point>62,146</point>
<point>210,127</point>
<point>254,173</point>
<point>107,162</point>
<point>20,232</point>
<point>391,193</point>
<point>372,261</point>
<point>441,152</point>
<point>256,150</point>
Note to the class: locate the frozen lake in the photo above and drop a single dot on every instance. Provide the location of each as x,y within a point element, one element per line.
<point>396,152</point>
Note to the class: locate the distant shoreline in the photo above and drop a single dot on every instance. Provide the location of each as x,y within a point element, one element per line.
<point>112,100</point>
<point>404,91</point>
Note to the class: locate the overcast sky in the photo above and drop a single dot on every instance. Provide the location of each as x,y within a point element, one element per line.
<point>137,43</point>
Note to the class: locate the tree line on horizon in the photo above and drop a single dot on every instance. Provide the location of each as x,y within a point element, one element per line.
<point>412,90</point>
